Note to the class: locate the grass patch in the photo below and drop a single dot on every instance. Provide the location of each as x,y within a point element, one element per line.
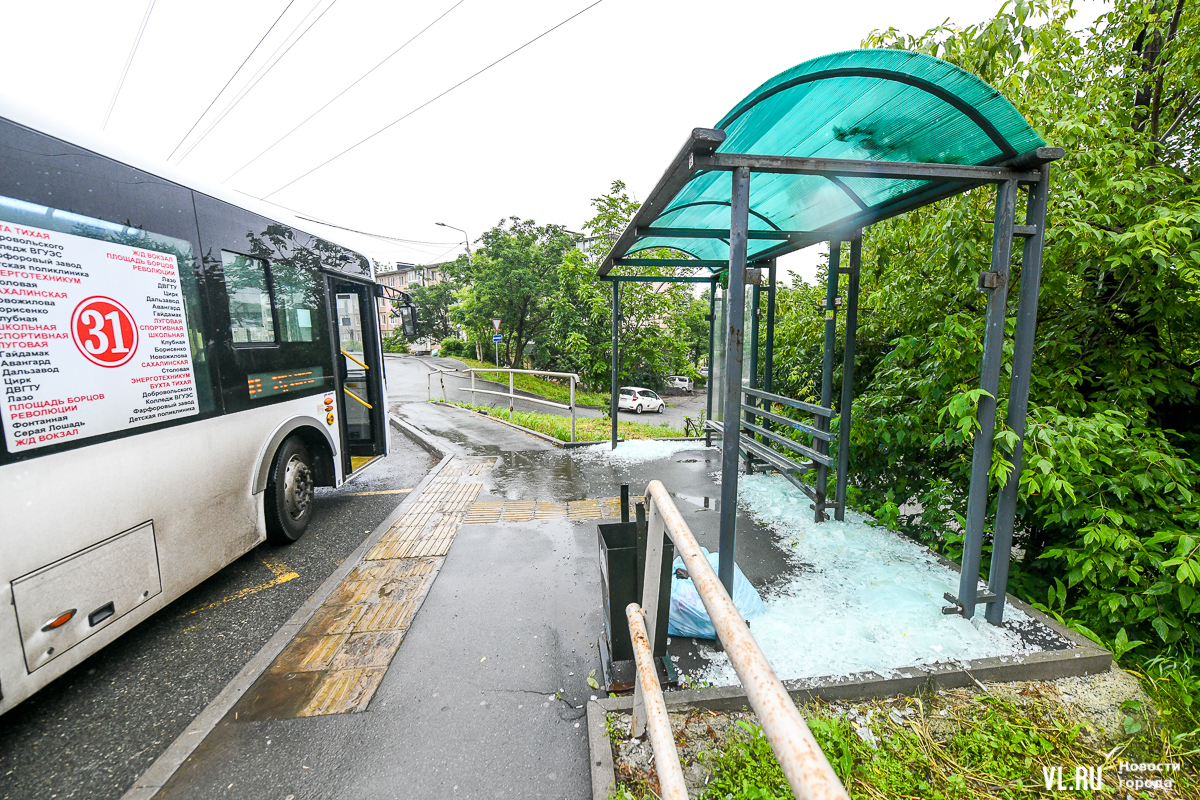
<point>589,429</point>
<point>547,388</point>
<point>953,745</point>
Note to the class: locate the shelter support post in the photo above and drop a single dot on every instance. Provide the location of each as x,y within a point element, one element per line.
<point>844,416</point>
<point>739,216</point>
<point>616,323</point>
<point>1018,392</point>
<point>712,329</point>
<point>831,288</point>
<point>996,285</point>
<point>769,350</point>
<point>751,401</point>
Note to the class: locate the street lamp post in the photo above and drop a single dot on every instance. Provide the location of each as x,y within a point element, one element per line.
<point>466,237</point>
<point>467,244</point>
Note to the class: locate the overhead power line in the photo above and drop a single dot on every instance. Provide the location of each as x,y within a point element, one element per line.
<point>410,244</point>
<point>375,235</point>
<point>231,77</point>
<point>343,91</point>
<point>258,76</point>
<point>129,61</point>
<point>434,99</point>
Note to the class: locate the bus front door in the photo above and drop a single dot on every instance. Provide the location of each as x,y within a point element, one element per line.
<point>361,399</point>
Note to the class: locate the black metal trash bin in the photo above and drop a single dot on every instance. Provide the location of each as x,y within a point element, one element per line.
<point>622,571</point>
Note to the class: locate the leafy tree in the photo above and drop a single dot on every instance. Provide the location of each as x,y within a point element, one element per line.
<point>433,304</point>
<point>694,318</point>
<point>653,333</point>
<point>512,275</point>
<point>1108,508</point>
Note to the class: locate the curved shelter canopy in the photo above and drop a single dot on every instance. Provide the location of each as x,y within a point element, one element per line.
<point>868,106</point>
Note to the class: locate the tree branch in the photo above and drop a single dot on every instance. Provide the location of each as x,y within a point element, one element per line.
<point>1180,117</point>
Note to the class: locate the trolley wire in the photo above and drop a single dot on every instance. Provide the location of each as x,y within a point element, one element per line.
<point>410,244</point>
<point>128,62</point>
<point>342,92</point>
<point>258,76</point>
<point>434,99</point>
<point>231,77</point>
<point>375,235</point>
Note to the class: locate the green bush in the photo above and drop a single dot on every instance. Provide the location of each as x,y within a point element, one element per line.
<point>453,347</point>
<point>1108,506</point>
<point>395,343</point>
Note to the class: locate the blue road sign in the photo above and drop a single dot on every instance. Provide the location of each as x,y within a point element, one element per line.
<point>497,337</point>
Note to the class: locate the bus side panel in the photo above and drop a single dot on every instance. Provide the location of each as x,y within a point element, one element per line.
<point>194,481</point>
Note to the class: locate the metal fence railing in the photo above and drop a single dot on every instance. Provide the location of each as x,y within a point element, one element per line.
<point>806,768</point>
<point>764,441</point>
<point>510,394</point>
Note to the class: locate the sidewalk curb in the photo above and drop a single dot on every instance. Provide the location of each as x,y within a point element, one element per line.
<point>414,433</point>
<point>172,758</point>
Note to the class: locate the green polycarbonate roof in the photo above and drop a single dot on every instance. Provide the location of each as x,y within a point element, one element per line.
<point>876,105</point>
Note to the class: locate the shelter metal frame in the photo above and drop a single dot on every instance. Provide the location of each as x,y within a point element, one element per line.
<point>1029,171</point>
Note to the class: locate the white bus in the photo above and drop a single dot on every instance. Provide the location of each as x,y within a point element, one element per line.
<point>178,373</point>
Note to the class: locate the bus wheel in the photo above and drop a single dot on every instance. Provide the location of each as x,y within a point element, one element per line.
<point>289,495</point>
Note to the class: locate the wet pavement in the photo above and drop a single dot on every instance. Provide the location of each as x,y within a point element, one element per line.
<point>485,695</point>
<point>93,731</point>
<point>480,690</point>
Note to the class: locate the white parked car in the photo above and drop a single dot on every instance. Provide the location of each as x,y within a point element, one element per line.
<point>637,400</point>
<point>679,382</point>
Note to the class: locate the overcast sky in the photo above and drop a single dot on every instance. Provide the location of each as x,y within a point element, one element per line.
<point>609,95</point>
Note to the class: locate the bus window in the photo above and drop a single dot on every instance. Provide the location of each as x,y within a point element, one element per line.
<point>251,320</point>
<point>298,298</point>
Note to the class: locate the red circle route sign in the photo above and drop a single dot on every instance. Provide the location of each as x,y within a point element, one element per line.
<point>104,331</point>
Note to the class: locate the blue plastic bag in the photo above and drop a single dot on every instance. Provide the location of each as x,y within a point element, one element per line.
<point>688,616</point>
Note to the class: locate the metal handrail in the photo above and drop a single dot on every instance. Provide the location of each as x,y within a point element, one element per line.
<point>666,757</point>
<point>511,394</point>
<point>804,765</point>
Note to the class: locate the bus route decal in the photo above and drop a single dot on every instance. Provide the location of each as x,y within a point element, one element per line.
<point>93,338</point>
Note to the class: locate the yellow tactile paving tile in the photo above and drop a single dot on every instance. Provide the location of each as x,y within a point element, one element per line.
<point>372,592</point>
<point>352,638</point>
<point>333,619</point>
<point>390,568</point>
<point>480,467</point>
<point>368,649</point>
<point>344,690</point>
<point>309,653</point>
<point>550,511</point>
<point>583,509</point>
<point>491,511</point>
<point>391,616</point>
<point>484,511</point>
<point>437,542</point>
<point>462,499</point>
<point>518,510</point>
<point>390,548</point>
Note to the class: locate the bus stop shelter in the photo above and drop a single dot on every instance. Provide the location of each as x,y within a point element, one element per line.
<point>817,154</point>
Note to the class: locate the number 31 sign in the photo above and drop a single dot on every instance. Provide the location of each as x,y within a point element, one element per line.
<point>104,331</point>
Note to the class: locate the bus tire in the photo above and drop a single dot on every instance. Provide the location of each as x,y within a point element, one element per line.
<point>289,495</point>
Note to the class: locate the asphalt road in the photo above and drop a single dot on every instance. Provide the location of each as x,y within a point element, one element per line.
<point>409,379</point>
<point>92,732</point>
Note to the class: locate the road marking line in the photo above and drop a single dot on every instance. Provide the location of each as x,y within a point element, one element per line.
<point>282,575</point>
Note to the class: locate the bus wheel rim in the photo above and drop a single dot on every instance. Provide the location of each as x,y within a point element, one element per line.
<point>297,487</point>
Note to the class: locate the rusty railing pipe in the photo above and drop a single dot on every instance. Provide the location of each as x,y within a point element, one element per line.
<point>666,757</point>
<point>804,765</point>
